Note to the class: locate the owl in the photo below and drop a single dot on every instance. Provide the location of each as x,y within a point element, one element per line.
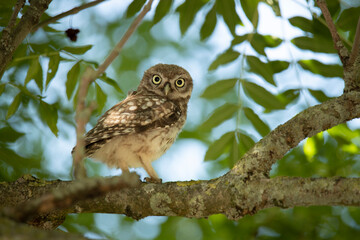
<point>139,129</point>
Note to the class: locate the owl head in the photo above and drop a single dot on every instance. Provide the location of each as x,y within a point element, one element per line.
<point>167,80</point>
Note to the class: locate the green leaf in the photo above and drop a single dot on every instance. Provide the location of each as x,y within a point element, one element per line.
<point>224,58</point>
<point>274,4</point>
<point>261,96</point>
<point>349,18</point>
<point>77,50</point>
<point>100,98</point>
<point>260,68</point>
<point>217,148</point>
<point>245,143</point>
<point>188,11</point>
<point>2,88</point>
<point>219,115</point>
<point>134,7</point>
<point>8,134</point>
<point>255,120</point>
<point>219,88</point>
<point>162,9</point>
<point>260,42</point>
<point>319,95</point>
<point>35,72</point>
<point>239,39</point>
<point>49,115</point>
<point>315,44</point>
<point>72,79</point>
<point>209,24</point>
<point>326,70</point>
<point>250,9</point>
<point>14,105</point>
<point>313,26</point>
<point>111,82</point>
<point>52,68</point>
<point>229,14</point>
<point>288,96</point>
<point>278,66</point>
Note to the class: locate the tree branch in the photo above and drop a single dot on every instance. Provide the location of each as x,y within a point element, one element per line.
<point>65,14</point>
<point>338,44</point>
<point>231,195</point>
<point>9,42</point>
<point>257,161</point>
<point>82,113</point>
<point>63,198</point>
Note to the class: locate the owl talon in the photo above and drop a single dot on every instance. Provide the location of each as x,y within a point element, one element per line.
<point>153,180</point>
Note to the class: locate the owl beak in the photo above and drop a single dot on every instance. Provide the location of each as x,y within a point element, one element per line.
<point>167,88</point>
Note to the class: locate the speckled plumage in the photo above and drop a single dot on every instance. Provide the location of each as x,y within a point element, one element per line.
<point>139,129</point>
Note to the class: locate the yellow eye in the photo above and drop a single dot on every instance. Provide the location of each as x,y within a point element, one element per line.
<point>180,82</point>
<point>156,79</point>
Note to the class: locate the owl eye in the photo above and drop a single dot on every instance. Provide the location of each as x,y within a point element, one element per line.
<point>180,82</point>
<point>156,79</point>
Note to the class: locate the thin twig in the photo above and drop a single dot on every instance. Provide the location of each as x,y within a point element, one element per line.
<point>115,52</point>
<point>67,196</point>
<point>338,44</point>
<point>18,6</point>
<point>83,113</point>
<point>65,14</point>
<point>356,45</point>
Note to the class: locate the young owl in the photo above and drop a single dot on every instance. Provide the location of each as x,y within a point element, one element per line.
<point>139,129</point>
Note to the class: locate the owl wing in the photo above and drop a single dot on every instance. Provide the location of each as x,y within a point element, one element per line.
<point>133,115</point>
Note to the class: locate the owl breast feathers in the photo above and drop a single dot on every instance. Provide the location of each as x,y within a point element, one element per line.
<point>139,129</point>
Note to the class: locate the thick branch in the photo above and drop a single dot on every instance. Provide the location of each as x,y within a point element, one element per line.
<point>338,44</point>
<point>9,42</point>
<point>355,52</point>
<point>65,14</point>
<point>230,195</point>
<point>258,160</point>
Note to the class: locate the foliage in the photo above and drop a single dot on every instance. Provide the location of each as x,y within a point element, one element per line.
<point>246,93</point>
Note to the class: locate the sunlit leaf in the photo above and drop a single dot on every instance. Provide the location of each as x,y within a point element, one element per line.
<point>261,96</point>
<point>77,50</point>
<point>239,39</point>
<point>162,9</point>
<point>319,95</point>
<point>326,70</point>
<point>219,115</point>
<point>227,10</point>
<point>49,115</point>
<point>217,148</point>
<point>209,24</point>
<point>52,68</point>
<point>72,79</point>
<point>274,4</point>
<point>14,105</point>
<point>316,44</point>
<point>134,7</point>
<point>219,88</point>
<point>255,120</point>
<point>100,98</point>
<point>260,68</point>
<point>224,58</point>
<point>250,9</point>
